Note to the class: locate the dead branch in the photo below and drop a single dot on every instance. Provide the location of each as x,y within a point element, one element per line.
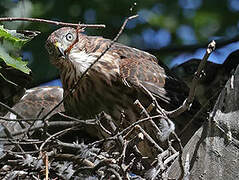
<point>59,133</point>
<point>188,102</point>
<point>124,130</point>
<point>57,23</point>
<point>14,112</point>
<point>51,124</point>
<point>71,157</point>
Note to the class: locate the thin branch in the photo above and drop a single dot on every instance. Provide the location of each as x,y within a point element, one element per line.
<point>187,103</point>
<point>55,135</point>
<point>125,129</point>
<point>57,23</point>
<point>4,119</point>
<point>148,137</point>
<point>11,110</point>
<point>51,124</point>
<point>180,159</point>
<point>14,112</point>
<point>71,157</point>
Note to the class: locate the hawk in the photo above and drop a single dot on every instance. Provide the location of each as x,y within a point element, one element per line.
<point>35,103</point>
<point>114,82</point>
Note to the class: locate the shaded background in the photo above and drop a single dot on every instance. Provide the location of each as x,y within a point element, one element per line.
<point>174,31</point>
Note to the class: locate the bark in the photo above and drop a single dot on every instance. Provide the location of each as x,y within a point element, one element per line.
<point>214,149</point>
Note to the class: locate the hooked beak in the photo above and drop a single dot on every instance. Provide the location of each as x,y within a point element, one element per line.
<point>61,51</point>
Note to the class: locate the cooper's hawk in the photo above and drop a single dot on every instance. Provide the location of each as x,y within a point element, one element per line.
<point>35,103</point>
<point>113,83</point>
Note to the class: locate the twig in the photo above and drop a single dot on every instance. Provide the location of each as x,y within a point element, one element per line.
<point>10,137</point>
<point>14,112</point>
<point>100,164</point>
<point>55,135</point>
<point>146,113</point>
<point>113,171</point>
<point>55,123</point>
<point>171,158</point>
<point>186,168</point>
<point>166,129</point>
<point>52,22</point>
<point>125,130</point>
<point>6,142</point>
<point>180,159</point>
<point>25,119</point>
<point>187,103</point>
<point>147,136</point>
<point>71,157</point>
<point>89,121</point>
<point>45,159</point>
<point>97,59</point>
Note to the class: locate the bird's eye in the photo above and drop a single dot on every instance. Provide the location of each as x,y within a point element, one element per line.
<point>69,37</point>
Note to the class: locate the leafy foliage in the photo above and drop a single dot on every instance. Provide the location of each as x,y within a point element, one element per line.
<point>11,43</point>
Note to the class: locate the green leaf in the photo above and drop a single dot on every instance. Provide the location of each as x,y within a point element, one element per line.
<point>16,39</point>
<point>14,62</point>
<point>11,43</point>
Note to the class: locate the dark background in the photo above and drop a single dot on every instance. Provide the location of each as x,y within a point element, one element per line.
<point>174,31</point>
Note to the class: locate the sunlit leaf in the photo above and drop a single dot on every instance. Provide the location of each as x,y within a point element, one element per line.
<point>11,43</point>
<point>15,38</point>
<point>14,62</point>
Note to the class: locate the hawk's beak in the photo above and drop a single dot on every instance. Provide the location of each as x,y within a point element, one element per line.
<point>60,49</point>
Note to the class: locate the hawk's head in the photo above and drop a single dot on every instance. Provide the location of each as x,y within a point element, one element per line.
<point>66,46</point>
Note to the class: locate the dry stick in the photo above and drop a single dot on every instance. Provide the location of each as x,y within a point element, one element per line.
<point>46,162</point>
<point>14,112</point>
<point>180,159</point>
<point>146,113</point>
<point>71,157</point>
<point>161,111</point>
<point>125,130</point>
<point>55,135</point>
<point>16,153</point>
<point>73,146</point>
<point>209,50</point>
<point>171,158</point>
<point>27,119</point>
<point>55,123</point>
<point>83,74</point>
<point>148,137</point>
<point>21,143</point>
<point>52,22</point>
<point>10,137</point>
<point>187,103</point>
<point>87,122</point>
<point>113,171</point>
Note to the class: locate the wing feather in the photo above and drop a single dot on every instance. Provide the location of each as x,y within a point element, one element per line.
<point>137,66</point>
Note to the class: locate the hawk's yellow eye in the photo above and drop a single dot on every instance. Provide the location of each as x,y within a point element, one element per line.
<point>69,37</point>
